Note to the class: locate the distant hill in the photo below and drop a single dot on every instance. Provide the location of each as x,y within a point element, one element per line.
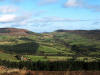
<point>58,43</point>
<point>92,34</point>
<point>14,31</point>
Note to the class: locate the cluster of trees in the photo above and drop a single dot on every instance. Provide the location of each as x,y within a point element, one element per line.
<point>24,48</point>
<point>52,66</point>
<point>84,50</point>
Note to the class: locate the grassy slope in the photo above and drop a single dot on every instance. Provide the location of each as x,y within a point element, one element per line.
<point>54,44</point>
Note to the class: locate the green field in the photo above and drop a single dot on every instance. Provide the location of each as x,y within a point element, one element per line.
<point>10,57</point>
<point>54,46</point>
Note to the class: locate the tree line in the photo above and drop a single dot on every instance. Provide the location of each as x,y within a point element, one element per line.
<point>52,66</point>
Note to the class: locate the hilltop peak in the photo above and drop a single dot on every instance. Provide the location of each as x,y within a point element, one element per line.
<point>14,31</point>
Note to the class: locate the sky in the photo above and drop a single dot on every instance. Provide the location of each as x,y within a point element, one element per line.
<point>50,15</point>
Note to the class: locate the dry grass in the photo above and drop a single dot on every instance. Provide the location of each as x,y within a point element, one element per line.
<point>6,71</point>
<point>24,72</point>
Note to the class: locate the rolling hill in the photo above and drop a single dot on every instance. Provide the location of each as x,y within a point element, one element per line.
<point>69,43</point>
<point>14,31</point>
<point>91,34</point>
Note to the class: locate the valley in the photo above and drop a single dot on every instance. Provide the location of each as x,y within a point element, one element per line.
<point>18,46</point>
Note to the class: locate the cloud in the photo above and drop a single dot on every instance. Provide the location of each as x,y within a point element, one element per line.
<point>27,19</point>
<point>41,24</point>
<point>7,18</point>
<point>81,4</point>
<point>56,19</point>
<point>8,9</point>
<point>96,23</point>
<point>95,8</point>
<point>12,18</point>
<point>73,3</point>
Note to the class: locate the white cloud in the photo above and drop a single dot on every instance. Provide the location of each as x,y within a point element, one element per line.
<point>8,9</point>
<point>7,18</point>
<point>73,3</point>
<point>40,24</point>
<point>56,19</point>
<point>82,4</point>
<point>13,18</point>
